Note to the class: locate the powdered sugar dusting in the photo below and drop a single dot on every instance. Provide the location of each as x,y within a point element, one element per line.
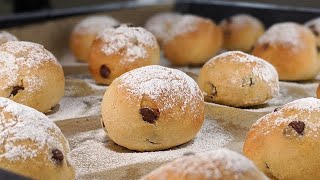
<point>20,123</point>
<point>162,23</point>
<point>29,54</point>
<point>94,152</point>
<point>261,69</point>
<point>185,24</point>
<point>282,33</point>
<point>95,24</point>
<point>306,104</point>
<point>167,86</point>
<point>8,69</point>
<point>210,165</point>
<point>241,20</point>
<point>5,37</point>
<point>130,42</point>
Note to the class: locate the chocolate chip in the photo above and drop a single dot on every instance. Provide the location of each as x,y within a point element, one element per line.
<point>15,90</point>
<point>314,30</point>
<point>298,126</point>
<point>251,49</point>
<point>149,115</point>
<point>104,71</point>
<point>214,91</point>
<point>57,156</point>
<point>251,82</point>
<point>318,48</point>
<point>265,46</point>
<point>103,124</point>
<point>276,109</point>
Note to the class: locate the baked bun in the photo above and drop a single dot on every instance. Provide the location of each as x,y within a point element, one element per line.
<point>241,32</point>
<point>85,32</point>
<point>31,144</point>
<point>291,49</point>
<point>314,26</point>
<point>152,108</point>
<point>213,165</point>
<point>30,75</point>
<point>120,50</point>
<point>160,24</point>
<point>285,144</point>
<point>238,79</point>
<point>192,41</point>
<point>5,37</point>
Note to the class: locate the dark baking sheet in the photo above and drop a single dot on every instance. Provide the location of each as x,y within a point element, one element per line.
<point>267,13</point>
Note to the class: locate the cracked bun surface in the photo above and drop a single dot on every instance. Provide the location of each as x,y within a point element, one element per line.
<point>285,144</point>
<point>31,144</point>
<point>213,165</point>
<point>291,49</point>
<point>30,75</point>
<point>152,108</point>
<point>238,79</point>
<point>85,32</point>
<point>119,50</point>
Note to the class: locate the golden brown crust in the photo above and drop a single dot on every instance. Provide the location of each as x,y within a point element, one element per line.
<point>240,32</point>
<point>80,45</point>
<point>284,144</point>
<point>117,62</point>
<point>238,79</point>
<point>177,121</point>
<point>194,47</point>
<point>293,63</point>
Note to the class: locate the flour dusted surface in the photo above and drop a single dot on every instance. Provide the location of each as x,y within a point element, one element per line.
<point>242,20</point>
<point>20,123</point>
<point>93,152</point>
<point>5,36</point>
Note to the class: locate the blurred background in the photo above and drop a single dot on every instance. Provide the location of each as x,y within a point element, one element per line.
<point>8,7</point>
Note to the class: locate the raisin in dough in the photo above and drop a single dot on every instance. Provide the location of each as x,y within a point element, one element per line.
<point>85,32</point>
<point>119,50</point>
<point>152,108</point>
<point>238,79</point>
<point>285,144</point>
<point>31,144</point>
<point>30,75</point>
<point>213,165</point>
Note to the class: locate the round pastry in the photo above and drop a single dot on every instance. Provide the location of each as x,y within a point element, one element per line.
<point>160,24</point>
<point>5,37</point>
<point>31,144</point>
<point>119,50</point>
<point>85,32</point>
<point>241,31</point>
<point>291,49</point>
<point>192,41</point>
<point>30,75</point>
<point>213,165</point>
<point>314,26</point>
<point>152,108</point>
<point>285,144</point>
<point>238,79</point>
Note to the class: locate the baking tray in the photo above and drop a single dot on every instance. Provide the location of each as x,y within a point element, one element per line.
<point>78,114</point>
